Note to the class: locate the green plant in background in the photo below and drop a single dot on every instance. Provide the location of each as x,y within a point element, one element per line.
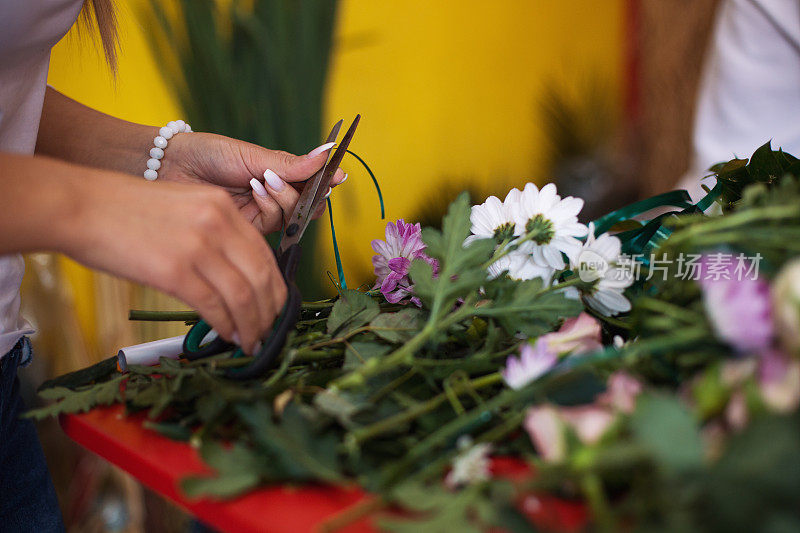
<point>253,70</point>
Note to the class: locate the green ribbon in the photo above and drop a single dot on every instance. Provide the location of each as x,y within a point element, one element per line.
<point>337,256</point>
<point>642,241</point>
<point>678,198</point>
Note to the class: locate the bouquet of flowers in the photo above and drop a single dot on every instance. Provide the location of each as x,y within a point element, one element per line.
<point>645,368</point>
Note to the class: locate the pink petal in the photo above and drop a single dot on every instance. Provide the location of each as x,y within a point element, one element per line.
<point>577,335</point>
<point>546,431</point>
<point>621,392</point>
<point>400,265</point>
<point>589,422</point>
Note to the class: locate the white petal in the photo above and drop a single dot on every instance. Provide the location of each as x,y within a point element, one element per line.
<point>547,198</point>
<point>607,246</point>
<point>613,300</point>
<point>553,257</point>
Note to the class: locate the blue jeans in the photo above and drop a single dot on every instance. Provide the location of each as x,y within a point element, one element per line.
<point>27,498</point>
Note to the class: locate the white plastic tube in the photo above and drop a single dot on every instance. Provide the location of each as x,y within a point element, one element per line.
<point>149,352</point>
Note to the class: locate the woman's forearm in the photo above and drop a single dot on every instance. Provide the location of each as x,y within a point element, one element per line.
<point>190,241</point>
<point>41,199</point>
<point>73,132</point>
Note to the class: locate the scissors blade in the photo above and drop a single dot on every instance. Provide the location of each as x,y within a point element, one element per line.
<point>303,209</point>
<point>333,164</point>
<point>314,193</point>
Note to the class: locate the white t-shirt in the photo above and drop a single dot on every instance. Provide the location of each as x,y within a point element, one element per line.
<point>750,88</point>
<point>28,30</point>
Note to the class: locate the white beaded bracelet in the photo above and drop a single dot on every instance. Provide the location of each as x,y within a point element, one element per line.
<point>157,152</point>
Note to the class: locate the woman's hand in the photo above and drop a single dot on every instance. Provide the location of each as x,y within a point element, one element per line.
<point>190,241</point>
<point>205,158</point>
<point>73,132</point>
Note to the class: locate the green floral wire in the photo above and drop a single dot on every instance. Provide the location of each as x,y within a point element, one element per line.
<point>337,256</point>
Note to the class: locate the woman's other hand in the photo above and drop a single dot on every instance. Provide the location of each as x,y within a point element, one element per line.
<point>190,241</point>
<point>205,158</point>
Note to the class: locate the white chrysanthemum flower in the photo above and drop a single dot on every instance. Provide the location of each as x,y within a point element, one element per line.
<point>554,217</point>
<point>598,262</point>
<point>471,465</point>
<point>520,266</point>
<point>494,219</point>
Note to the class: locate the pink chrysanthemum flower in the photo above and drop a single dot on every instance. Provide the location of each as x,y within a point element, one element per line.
<point>403,244</point>
<point>534,361</point>
<point>738,306</point>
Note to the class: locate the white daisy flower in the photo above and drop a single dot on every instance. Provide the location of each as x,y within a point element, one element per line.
<point>598,262</point>
<point>554,217</point>
<point>471,465</point>
<point>494,219</point>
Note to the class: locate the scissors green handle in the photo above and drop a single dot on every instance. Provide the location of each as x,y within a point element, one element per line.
<point>272,346</point>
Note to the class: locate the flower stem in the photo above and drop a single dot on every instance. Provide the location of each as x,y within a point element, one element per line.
<point>387,424</point>
<point>163,316</point>
<point>376,366</point>
<point>593,491</point>
<point>734,220</point>
<point>571,282</point>
<point>358,511</point>
<point>405,353</point>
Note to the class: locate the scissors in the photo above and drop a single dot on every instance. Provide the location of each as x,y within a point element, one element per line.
<point>288,256</point>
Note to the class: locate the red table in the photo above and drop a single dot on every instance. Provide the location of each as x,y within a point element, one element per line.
<point>160,463</point>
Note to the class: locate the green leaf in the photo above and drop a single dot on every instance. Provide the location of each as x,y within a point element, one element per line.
<point>526,306</point>
<point>224,486</point>
<point>359,352</point>
<point>101,371</point>
<point>757,479</point>
<point>460,267</point>
<point>340,405</point>
<point>665,428</point>
<point>210,406</point>
<point>397,327</point>
<point>78,401</point>
<point>298,451</point>
<point>352,310</point>
<point>169,430</point>
<point>443,511</point>
<point>238,470</point>
<point>764,165</point>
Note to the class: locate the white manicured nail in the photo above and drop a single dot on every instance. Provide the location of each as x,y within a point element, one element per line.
<point>273,180</point>
<point>343,180</point>
<point>258,188</point>
<point>235,338</point>
<point>329,192</point>
<point>319,149</point>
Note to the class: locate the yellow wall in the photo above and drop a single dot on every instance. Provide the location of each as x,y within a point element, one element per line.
<point>447,89</point>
